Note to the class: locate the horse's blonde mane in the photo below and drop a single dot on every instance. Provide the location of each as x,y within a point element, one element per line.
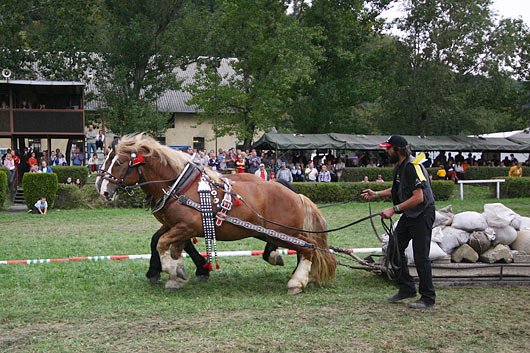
<point>149,147</point>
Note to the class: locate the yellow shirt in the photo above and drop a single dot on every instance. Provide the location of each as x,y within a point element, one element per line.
<point>441,173</point>
<point>515,171</point>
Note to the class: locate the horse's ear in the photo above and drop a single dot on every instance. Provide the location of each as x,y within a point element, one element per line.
<point>136,159</point>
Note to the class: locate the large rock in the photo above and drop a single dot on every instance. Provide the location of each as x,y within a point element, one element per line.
<point>464,253</point>
<point>469,221</point>
<point>505,235</point>
<point>522,243</point>
<point>496,254</point>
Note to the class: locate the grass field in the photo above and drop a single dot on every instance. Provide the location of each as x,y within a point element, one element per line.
<point>111,307</point>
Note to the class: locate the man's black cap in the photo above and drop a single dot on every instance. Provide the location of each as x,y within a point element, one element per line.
<point>394,141</point>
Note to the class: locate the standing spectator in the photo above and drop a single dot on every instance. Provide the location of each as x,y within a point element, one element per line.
<point>40,207</point>
<point>100,140</point>
<point>516,170</point>
<point>231,158</point>
<point>54,160</point>
<point>9,163</point>
<point>324,176</point>
<point>44,167</point>
<point>428,161</point>
<point>298,174</point>
<point>90,136</point>
<point>339,168</point>
<point>253,161</point>
<point>61,160</point>
<point>78,157</point>
<point>213,162</point>
<point>261,172</point>
<point>284,174</point>
<point>311,172</point>
<point>221,157</point>
<point>33,160</point>
<point>93,163</point>
<point>240,164</point>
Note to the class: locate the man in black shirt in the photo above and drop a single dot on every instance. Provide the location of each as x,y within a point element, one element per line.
<point>411,195</point>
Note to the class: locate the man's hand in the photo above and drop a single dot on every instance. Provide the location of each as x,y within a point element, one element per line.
<point>368,195</point>
<point>387,213</point>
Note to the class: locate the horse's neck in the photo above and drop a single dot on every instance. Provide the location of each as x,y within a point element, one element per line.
<point>157,174</point>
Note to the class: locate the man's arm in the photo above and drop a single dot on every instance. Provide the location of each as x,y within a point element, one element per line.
<point>413,201</point>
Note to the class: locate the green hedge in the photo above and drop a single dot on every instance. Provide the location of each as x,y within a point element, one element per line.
<point>516,187</point>
<point>4,189</point>
<point>357,174</point>
<point>338,192</point>
<point>491,172</point>
<point>126,201</point>
<point>68,197</point>
<point>63,173</point>
<point>37,185</point>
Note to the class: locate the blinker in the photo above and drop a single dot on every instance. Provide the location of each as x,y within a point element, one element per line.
<point>136,159</point>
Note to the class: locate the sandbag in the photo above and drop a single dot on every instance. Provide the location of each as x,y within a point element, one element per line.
<point>452,239</point>
<point>505,235</point>
<point>469,221</point>
<point>525,223</point>
<point>435,253</point>
<point>437,235</point>
<point>516,222</point>
<point>479,241</point>
<point>522,242</point>
<point>444,216</point>
<point>497,215</point>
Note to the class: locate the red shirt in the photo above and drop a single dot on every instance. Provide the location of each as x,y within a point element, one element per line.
<point>32,161</point>
<point>240,166</point>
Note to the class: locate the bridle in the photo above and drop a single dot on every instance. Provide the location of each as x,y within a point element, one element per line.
<point>134,162</point>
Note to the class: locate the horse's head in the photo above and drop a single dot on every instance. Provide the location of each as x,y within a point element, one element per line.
<point>120,169</point>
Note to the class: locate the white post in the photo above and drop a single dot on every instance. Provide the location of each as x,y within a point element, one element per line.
<point>499,189</point>
<point>461,191</point>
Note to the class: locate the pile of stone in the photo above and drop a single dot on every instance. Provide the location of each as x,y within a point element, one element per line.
<point>496,235</point>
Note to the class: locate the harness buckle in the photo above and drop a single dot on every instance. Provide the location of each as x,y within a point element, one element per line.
<point>220,218</point>
<point>226,204</point>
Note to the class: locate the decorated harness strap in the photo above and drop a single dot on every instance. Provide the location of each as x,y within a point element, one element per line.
<point>208,225</point>
<point>226,204</point>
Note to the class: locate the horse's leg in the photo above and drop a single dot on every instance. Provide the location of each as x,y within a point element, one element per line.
<point>272,255</point>
<point>300,277</point>
<point>201,272</point>
<point>155,266</point>
<point>170,246</point>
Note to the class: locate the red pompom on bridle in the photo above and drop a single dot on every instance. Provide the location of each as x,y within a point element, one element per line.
<point>136,159</point>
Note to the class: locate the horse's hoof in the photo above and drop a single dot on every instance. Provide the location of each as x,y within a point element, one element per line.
<point>202,278</point>
<point>275,259</point>
<point>154,280</point>
<point>181,274</point>
<point>170,290</point>
<point>294,290</point>
<point>174,284</point>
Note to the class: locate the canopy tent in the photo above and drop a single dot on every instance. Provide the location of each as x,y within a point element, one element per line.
<point>522,137</point>
<point>274,141</point>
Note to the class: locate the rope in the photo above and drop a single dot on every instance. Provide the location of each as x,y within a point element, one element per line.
<point>392,256</point>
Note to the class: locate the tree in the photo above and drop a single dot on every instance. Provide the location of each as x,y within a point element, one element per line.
<point>273,57</point>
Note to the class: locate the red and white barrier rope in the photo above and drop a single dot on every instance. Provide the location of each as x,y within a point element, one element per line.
<point>240,253</point>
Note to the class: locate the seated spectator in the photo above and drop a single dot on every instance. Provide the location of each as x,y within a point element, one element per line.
<point>506,162</point>
<point>44,167</point>
<point>272,176</point>
<point>451,174</point>
<point>68,181</point>
<point>379,179</point>
<point>78,183</point>
<point>459,169</point>
<point>261,172</point>
<point>339,168</point>
<point>34,168</point>
<point>40,207</point>
<point>93,163</point>
<point>284,174</point>
<point>324,176</point>
<point>366,179</point>
<point>516,170</point>
<point>441,174</point>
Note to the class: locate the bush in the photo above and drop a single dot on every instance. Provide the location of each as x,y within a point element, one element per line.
<point>68,197</point>
<point>339,192</point>
<point>4,189</point>
<point>474,173</point>
<point>91,197</point>
<point>516,187</point>
<point>64,172</point>
<point>127,201</point>
<point>37,185</point>
<point>358,173</point>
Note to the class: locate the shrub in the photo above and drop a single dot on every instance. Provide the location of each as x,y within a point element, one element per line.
<point>64,172</point>
<point>358,173</point>
<point>490,172</point>
<point>3,187</point>
<point>37,185</point>
<point>68,197</point>
<point>91,197</point>
<point>339,192</point>
<point>516,187</point>
<point>130,201</point>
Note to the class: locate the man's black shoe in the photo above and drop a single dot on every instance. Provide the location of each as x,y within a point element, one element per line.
<point>420,304</point>
<point>400,296</point>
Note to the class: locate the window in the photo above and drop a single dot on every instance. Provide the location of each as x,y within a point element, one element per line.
<point>198,143</point>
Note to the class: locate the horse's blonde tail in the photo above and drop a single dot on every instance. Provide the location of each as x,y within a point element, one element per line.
<point>324,263</point>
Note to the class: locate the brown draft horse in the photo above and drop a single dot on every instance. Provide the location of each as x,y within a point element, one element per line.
<point>181,223</point>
